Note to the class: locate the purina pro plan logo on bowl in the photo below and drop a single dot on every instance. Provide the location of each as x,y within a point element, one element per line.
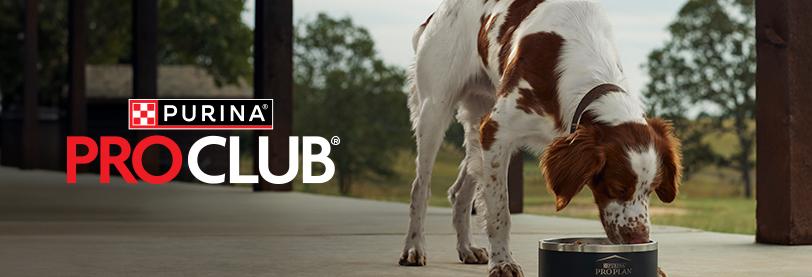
<point>614,265</point>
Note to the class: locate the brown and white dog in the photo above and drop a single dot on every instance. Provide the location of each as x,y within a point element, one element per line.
<point>540,75</point>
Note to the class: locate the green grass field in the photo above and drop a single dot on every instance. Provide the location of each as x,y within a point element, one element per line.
<point>708,200</point>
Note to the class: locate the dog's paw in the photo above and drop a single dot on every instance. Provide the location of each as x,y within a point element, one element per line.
<point>505,270</point>
<point>473,255</point>
<point>412,257</point>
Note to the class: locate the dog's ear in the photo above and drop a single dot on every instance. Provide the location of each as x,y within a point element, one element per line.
<point>668,146</point>
<point>572,162</point>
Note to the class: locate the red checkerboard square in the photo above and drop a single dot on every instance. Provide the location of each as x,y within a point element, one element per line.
<point>143,114</point>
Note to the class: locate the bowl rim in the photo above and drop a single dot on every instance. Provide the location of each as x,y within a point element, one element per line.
<point>566,245</point>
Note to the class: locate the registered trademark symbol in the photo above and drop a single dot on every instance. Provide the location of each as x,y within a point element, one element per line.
<point>264,106</point>
<point>335,140</point>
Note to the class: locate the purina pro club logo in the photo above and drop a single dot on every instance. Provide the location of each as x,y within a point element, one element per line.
<point>200,114</point>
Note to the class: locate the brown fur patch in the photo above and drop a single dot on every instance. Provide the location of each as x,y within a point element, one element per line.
<point>670,171</point>
<point>573,156</point>
<point>536,62</point>
<point>487,132</point>
<point>517,12</point>
<point>570,163</point>
<point>482,39</point>
<point>504,52</point>
<point>528,103</point>
<point>618,180</point>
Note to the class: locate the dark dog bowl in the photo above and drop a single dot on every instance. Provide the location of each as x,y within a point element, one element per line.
<point>596,257</point>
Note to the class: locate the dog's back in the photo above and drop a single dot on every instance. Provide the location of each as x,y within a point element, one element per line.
<point>488,33</point>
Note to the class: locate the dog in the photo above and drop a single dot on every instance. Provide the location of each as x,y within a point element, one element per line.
<point>544,76</point>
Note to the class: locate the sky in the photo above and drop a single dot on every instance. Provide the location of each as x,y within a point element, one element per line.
<point>639,26</point>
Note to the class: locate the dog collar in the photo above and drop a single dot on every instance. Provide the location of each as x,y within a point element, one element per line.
<point>590,97</point>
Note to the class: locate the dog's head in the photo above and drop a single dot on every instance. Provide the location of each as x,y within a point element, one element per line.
<point>622,165</point>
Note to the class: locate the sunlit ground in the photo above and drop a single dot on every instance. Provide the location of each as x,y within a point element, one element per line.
<point>709,200</point>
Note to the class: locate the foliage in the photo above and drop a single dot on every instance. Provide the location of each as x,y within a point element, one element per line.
<point>209,34</point>
<point>707,68</point>
<point>344,89</point>
<point>52,44</point>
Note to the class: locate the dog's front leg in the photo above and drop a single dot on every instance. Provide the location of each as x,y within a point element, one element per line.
<point>493,190</point>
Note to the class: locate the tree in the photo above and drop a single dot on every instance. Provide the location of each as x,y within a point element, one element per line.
<point>209,34</point>
<point>708,68</point>
<point>342,88</point>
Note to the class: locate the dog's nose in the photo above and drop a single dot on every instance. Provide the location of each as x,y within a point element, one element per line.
<point>636,240</point>
<point>637,234</point>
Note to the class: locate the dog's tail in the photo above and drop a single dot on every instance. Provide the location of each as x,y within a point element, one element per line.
<point>419,33</point>
<point>416,37</point>
<point>413,98</point>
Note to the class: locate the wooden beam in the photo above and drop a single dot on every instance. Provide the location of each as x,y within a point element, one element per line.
<point>77,39</point>
<point>273,79</point>
<point>516,184</point>
<point>784,134</point>
<point>145,48</point>
<point>30,115</point>
<point>145,65</point>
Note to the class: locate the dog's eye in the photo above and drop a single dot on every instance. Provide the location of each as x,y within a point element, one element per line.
<point>616,190</point>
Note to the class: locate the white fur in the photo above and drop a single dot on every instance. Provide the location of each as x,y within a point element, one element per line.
<point>617,108</point>
<point>589,59</point>
<point>644,163</point>
<point>449,75</point>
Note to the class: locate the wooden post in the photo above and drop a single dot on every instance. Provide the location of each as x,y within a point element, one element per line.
<point>145,48</point>
<point>273,79</point>
<point>30,115</point>
<point>516,184</point>
<point>145,64</point>
<point>77,103</point>
<point>784,134</point>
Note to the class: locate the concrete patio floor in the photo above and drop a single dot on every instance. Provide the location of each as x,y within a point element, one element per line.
<point>49,228</point>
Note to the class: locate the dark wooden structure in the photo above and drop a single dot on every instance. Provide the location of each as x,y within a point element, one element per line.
<point>77,60</point>
<point>30,120</point>
<point>516,184</point>
<point>273,79</point>
<point>145,65</point>
<point>784,121</point>
<point>145,48</point>
<point>76,119</point>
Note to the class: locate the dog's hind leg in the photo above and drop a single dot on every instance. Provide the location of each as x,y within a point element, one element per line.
<point>440,76</point>
<point>430,126</point>
<point>472,108</point>
<point>461,196</point>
